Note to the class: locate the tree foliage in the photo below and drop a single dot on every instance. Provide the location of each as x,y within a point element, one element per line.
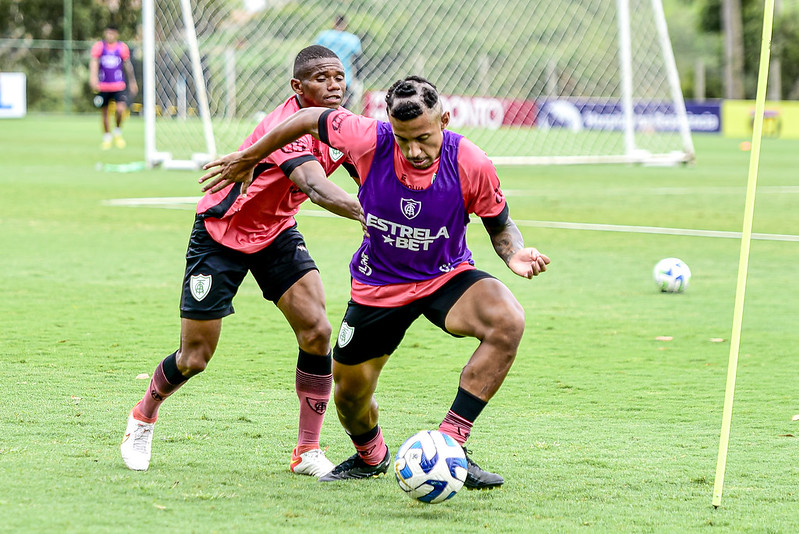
<point>708,29</point>
<point>31,29</point>
<point>44,19</point>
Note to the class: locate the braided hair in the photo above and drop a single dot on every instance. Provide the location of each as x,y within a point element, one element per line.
<point>410,97</point>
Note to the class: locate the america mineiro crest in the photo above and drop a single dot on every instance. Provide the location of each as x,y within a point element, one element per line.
<point>410,207</point>
<point>345,334</point>
<point>200,286</point>
<point>335,154</point>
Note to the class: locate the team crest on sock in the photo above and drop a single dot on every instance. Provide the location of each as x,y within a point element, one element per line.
<point>200,286</point>
<point>368,452</point>
<point>317,405</point>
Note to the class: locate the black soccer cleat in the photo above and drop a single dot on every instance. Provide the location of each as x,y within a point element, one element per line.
<point>478,478</point>
<point>355,467</point>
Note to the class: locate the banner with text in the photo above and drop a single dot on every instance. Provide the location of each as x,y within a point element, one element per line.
<point>467,111</point>
<point>608,115</point>
<point>573,114</point>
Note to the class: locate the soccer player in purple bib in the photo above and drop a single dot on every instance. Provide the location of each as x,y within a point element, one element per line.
<point>418,184</point>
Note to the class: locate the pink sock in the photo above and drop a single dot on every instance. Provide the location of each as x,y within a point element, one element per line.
<point>314,394</point>
<point>160,388</point>
<point>456,427</point>
<point>373,451</point>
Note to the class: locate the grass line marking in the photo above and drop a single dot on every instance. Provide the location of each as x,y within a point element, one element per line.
<point>191,202</point>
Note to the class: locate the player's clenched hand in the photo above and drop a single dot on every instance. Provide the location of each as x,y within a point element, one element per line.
<point>229,169</point>
<point>528,262</point>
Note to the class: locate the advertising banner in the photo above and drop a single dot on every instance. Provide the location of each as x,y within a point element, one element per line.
<point>704,116</point>
<point>573,113</point>
<point>13,103</point>
<point>780,119</point>
<point>467,111</point>
<point>608,115</point>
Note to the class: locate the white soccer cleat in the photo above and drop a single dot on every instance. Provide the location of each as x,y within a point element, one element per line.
<point>312,463</point>
<point>137,444</point>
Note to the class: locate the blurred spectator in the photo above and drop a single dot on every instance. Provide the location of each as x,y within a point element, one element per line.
<point>347,47</point>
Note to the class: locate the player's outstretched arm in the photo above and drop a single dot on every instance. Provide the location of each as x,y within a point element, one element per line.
<point>238,166</point>
<point>311,179</point>
<point>508,243</point>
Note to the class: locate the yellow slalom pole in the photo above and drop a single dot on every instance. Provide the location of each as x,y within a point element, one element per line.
<point>746,238</point>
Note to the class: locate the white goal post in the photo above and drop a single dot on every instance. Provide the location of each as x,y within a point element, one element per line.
<point>529,81</point>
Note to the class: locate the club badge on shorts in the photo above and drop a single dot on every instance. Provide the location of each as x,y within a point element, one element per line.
<point>200,286</point>
<point>345,334</point>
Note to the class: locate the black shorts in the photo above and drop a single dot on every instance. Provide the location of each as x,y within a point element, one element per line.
<point>214,272</point>
<point>369,332</point>
<point>103,98</point>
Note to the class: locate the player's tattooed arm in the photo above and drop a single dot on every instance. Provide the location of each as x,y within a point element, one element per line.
<point>509,245</point>
<point>505,235</point>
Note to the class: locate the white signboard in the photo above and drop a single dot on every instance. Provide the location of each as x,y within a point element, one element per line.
<point>13,104</point>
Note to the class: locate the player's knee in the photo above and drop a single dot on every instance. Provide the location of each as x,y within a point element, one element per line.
<point>345,401</point>
<point>316,339</point>
<point>506,326</point>
<point>193,360</point>
<point>350,396</point>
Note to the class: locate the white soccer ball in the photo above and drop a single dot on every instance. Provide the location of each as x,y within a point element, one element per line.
<point>672,275</point>
<point>430,467</point>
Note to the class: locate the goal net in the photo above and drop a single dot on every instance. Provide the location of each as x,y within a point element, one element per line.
<point>529,81</point>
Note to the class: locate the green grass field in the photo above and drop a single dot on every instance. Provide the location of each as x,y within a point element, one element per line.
<point>600,426</point>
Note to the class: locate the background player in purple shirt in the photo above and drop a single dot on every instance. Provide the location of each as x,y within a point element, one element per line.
<point>108,68</point>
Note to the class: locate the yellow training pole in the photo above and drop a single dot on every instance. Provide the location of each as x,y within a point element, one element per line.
<point>746,238</point>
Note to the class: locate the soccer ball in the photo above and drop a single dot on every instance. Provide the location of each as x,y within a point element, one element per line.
<point>672,275</point>
<point>430,467</point>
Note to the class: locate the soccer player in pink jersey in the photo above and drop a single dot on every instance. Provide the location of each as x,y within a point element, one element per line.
<point>418,185</point>
<point>235,234</point>
<point>109,58</point>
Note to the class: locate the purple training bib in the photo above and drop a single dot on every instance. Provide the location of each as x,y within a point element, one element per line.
<point>415,235</point>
